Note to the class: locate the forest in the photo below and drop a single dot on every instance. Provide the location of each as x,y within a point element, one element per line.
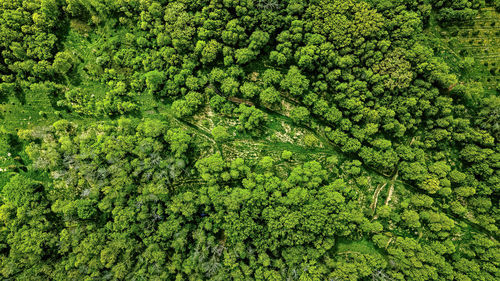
<point>250,140</point>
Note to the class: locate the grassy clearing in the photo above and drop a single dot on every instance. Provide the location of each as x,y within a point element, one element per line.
<point>36,108</point>
<point>362,247</point>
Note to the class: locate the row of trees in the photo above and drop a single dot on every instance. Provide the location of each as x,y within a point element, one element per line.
<point>457,11</point>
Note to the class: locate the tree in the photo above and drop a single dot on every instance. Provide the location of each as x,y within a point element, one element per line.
<point>411,218</point>
<point>250,89</point>
<point>271,77</point>
<point>294,82</point>
<point>210,51</point>
<point>220,134</point>
<point>154,81</point>
<point>351,145</point>
<point>63,62</point>
<point>311,140</point>
<point>151,128</point>
<point>270,96</point>
<point>142,197</point>
<point>211,167</point>
<point>299,114</point>
<point>250,117</point>
<point>29,233</point>
<point>230,86</point>
<point>188,106</point>
<point>181,109</point>
<point>440,168</point>
<point>431,185</point>
<point>244,55</point>
<point>266,163</point>
<point>258,40</point>
<point>179,141</point>
<point>286,155</point>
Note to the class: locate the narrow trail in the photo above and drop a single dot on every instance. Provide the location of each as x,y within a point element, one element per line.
<point>391,189</point>
<point>373,206</point>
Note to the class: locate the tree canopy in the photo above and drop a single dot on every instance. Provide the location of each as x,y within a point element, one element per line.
<point>249,140</point>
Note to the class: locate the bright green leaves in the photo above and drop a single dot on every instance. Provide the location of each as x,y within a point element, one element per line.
<point>311,174</point>
<point>211,167</point>
<point>329,17</point>
<point>21,191</point>
<point>86,209</point>
<point>411,218</point>
<point>63,62</point>
<point>351,145</point>
<point>233,33</point>
<point>250,90</point>
<point>154,81</point>
<point>397,70</point>
<point>244,55</point>
<point>179,141</point>
<point>209,51</point>
<point>250,117</point>
<point>188,106</point>
<point>431,185</point>
<point>270,96</point>
<point>220,134</point>
<point>258,40</point>
<point>28,233</point>
<point>286,155</point>
<point>299,114</point>
<point>151,128</point>
<point>294,82</point>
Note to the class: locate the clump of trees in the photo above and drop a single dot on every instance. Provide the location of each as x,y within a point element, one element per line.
<point>250,118</point>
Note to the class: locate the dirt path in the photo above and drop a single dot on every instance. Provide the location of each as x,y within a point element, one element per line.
<point>388,242</point>
<point>238,101</point>
<point>373,206</point>
<point>391,189</point>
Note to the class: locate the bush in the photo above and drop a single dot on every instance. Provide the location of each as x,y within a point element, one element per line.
<point>311,140</point>
<point>220,134</point>
<point>286,155</point>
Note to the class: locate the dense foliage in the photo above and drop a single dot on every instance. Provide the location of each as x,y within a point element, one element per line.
<point>169,163</point>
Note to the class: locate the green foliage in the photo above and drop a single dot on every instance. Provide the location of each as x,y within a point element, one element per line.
<point>188,106</point>
<point>311,140</point>
<point>220,134</point>
<point>154,81</point>
<point>294,82</point>
<point>179,141</point>
<point>367,148</point>
<point>299,114</point>
<point>286,155</point>
<point>250,117</point>
<point>210,168</point>
<point>249,89</point>
<point>452,11</point>
<point>270,96</point>
<point>20,191</point>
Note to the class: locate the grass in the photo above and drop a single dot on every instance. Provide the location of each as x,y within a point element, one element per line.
<point>361,246</point>
<point>24,113</point>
